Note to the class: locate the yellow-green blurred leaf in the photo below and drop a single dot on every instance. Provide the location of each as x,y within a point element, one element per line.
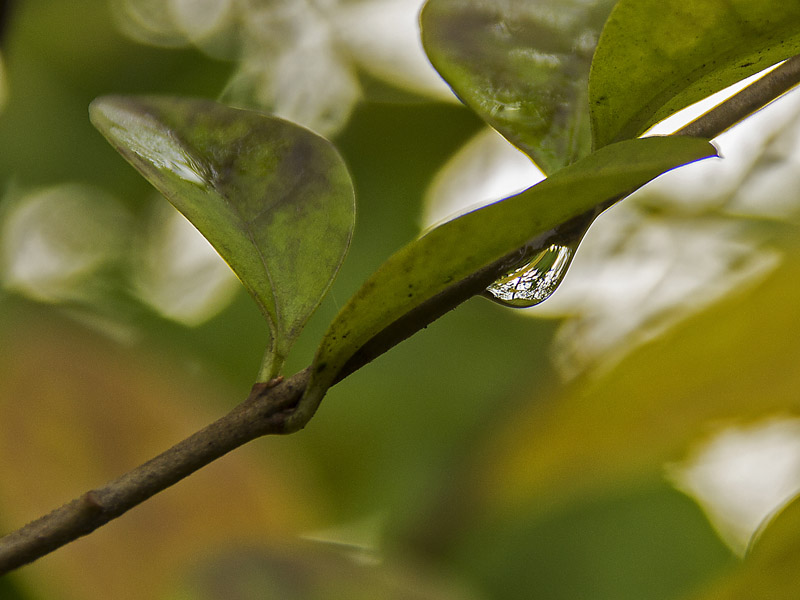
<point>733,362</point>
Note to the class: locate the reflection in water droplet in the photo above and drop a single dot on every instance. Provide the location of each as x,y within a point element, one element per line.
<point>536,280</point>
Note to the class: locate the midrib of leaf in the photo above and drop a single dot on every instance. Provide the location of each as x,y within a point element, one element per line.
<point>248,230</point>
<point>580,108</point>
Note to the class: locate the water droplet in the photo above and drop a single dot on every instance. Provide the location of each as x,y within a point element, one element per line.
<point>536,279</point>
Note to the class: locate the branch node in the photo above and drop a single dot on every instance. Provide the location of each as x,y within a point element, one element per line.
<point>91,503</point>
<point>260,388</point>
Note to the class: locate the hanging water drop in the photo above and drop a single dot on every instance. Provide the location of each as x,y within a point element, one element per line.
<point>536,279</point>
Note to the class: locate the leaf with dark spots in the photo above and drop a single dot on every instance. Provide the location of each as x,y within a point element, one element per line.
<point>646,68</point>
<point>523,66</point>
<point>273,198</point>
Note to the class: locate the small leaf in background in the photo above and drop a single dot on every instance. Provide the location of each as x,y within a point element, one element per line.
<point>274,199</point>
<point>522,66</point>
<point>656,57</point>
<point>312,571</point>
<point>430,265</point>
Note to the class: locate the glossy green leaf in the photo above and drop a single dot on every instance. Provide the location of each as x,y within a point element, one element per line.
<point>523,66</point>
<point>656,57</point>
<point>431,264</point>
<point>274,199</point>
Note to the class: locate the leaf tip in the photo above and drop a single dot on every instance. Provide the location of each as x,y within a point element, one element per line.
<point>104,111</point>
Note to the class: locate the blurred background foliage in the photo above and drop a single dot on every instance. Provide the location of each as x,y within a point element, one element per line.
<point>624,440</point>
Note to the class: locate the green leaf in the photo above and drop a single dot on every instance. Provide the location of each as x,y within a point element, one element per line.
<point>430,264</point>
<point>523,66</point>
<point>274,199</point>
<point>656,57</point>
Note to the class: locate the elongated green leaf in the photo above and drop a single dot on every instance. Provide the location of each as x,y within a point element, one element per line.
<point>274,199</point>
<point>656,57</point>
<point>459,248</point>
<point>523,66</point>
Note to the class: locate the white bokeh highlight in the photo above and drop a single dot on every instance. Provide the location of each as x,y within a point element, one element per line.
<point>742,475</point>
<point>178,273</point>
<point>298,59</point>
<point>54,241</point>
<point>485,170</point>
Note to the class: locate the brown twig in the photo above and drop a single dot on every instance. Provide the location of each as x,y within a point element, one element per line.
<point>263,413</point>
<point>744,103</point>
